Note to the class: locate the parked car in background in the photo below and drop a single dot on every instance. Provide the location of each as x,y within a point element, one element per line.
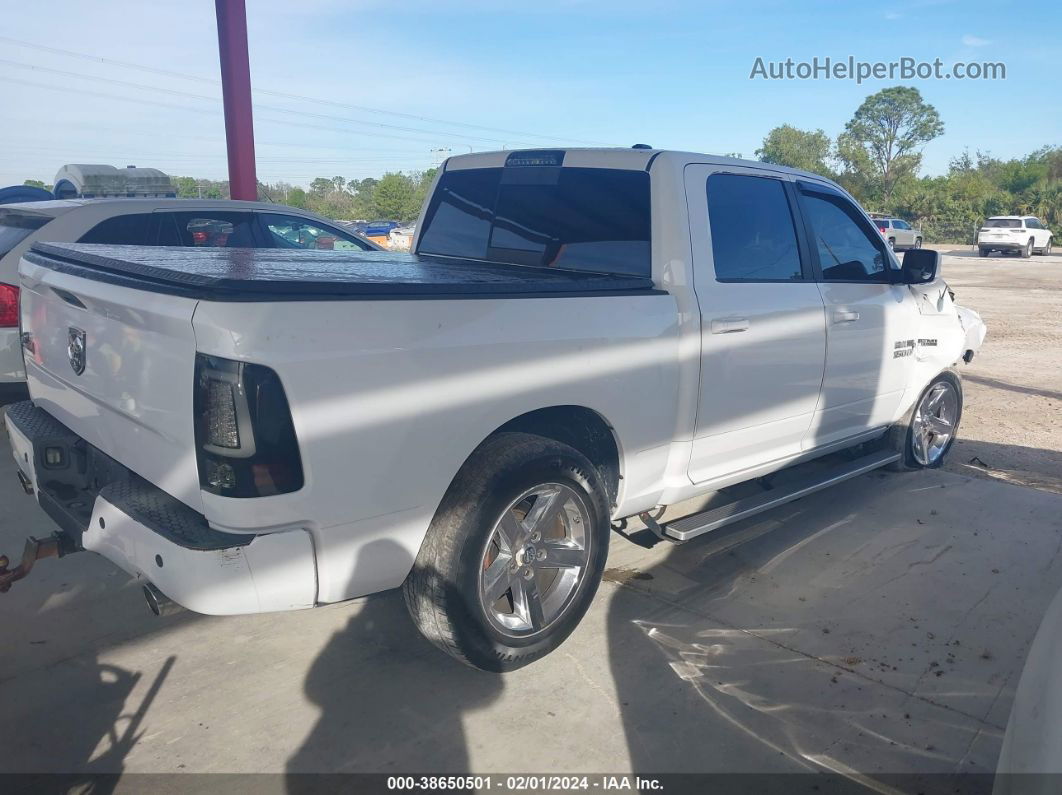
<point>579,336</point>
<point>1020,234</point>
<point>149,222</point>
<point>898,233</point>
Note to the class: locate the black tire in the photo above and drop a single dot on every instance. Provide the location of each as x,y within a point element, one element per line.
<point>984,252</point>
<point>442,591</point>
<point>918,242</point>
<point>1027,251</point>
<point>899,437</point>
<point>892,243</point>
<point>1046,250</point>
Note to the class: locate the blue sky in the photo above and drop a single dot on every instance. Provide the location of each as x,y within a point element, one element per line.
<point>409,78</point>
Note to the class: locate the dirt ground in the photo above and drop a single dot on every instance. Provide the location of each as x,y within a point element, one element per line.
<point>1012,422</point>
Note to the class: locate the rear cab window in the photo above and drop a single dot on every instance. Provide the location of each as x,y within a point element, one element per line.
<point>1003,223</point>
<point>545,215</point>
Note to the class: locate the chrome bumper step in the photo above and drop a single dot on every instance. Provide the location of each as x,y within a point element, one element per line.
<point>692,526</point>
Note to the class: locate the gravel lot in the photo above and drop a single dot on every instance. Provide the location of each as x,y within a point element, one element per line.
<point>1012,421</point>
<point>875,629</point>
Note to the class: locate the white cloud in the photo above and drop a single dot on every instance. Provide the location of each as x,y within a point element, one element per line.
<point>970,40</point>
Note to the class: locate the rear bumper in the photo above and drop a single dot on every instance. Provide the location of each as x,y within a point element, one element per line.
<point>992,245</point>
<point>103,507</point>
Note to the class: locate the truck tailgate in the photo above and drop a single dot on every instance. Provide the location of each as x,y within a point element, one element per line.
<point>116,366</point>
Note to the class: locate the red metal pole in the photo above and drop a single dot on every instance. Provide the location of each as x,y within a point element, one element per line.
<point>236,94</point>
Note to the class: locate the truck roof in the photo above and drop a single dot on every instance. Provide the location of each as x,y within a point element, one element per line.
<point>619,157</point>
<point>235,274</point>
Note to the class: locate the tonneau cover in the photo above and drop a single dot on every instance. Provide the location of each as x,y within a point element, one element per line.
<point>235,274</point>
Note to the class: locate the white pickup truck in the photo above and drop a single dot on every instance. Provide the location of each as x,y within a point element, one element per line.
<point>580,336</point>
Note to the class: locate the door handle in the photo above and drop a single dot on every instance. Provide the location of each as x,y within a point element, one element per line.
<point>845,316</point>
<point>729,325</point>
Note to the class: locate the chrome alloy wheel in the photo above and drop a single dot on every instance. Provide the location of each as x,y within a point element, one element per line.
<point>535,559</point>
<point>935,423</point>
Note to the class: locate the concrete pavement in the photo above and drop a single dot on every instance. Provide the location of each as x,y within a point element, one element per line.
<point>878,627</point>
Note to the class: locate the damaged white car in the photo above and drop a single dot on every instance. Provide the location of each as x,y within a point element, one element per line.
<point>579,336</point>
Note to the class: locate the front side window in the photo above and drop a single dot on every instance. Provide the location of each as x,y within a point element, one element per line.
<point>588,219</point>
<point>753,237</point>
<point>847,250</point>
<point>289,231</point>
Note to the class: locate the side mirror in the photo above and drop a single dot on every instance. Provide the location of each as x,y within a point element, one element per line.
<point>920,266</point>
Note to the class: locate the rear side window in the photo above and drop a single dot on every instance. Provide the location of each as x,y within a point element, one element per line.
<point>206,229</point>
<point>588,219</point>
<point>753,237</point>
<point>138,229</point>
<point>1003,223</point>
<point>16,227</point>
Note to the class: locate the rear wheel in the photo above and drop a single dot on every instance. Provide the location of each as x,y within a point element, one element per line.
<point>918,242</point>
<point>1028,250</point>
<point>984,252</point>
<point>892,243</point>
<point>926,435</point>
<point>514,554</point>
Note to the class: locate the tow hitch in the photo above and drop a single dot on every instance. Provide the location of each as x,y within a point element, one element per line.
<point>54,546</point>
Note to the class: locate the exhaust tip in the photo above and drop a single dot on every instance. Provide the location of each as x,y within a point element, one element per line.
<point>158,603</point>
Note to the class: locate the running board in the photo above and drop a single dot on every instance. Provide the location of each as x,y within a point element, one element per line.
<point>692,526</point>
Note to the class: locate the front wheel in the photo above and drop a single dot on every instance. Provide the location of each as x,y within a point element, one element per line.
<point>514,554</point>
<point>1046,250</point>
<point>928,432</point>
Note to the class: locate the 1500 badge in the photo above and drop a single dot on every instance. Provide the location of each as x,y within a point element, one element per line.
<point>902,348</point>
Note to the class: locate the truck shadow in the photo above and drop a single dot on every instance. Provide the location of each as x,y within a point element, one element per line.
<point>871,630</point>
<point>390,701</point>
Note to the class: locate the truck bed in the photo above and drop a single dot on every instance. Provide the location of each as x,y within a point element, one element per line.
<point>224,274</point>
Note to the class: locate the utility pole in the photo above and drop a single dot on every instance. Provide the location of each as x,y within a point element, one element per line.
<point>236,97</point>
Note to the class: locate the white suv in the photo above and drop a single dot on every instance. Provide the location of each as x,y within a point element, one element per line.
<point>148,222</point>
<point>1023,234</point>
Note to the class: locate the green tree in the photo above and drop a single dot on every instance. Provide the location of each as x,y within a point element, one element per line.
<point>36,183</point>
<point>321,187</point>
<point>881,143</point>
<point>394,197</point>
<point>807,150</point>
<point>297,198</point>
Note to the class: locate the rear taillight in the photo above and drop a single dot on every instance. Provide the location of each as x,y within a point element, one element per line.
<point>8,306</point>
<point>244,436</point>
